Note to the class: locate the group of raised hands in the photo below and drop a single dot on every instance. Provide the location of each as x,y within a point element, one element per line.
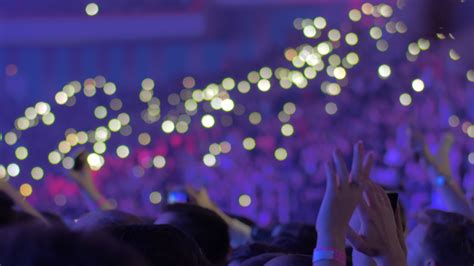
<point>380,234</point>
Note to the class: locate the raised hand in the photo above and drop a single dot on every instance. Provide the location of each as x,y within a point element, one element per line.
<point>343,193</point>
<point>440,161</point>
<point>381,234</point>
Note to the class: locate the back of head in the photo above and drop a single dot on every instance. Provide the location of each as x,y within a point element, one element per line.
<point>295,238</point>
<point>41,246</point>
<point>98,220</point>
<point>162,245</point>
<point>449,238</point>
<point>206,227</point>
<point>260,259</point>
<point>250,250</point>
<point>291,260</point>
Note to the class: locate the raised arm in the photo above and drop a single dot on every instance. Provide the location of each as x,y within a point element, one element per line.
<point>442,177</point>
<point>82,175</point>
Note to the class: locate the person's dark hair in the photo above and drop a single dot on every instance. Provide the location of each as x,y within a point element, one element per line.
<point>295,238</point>
<point>260,259</point>
<point>162,245</point>
<point>98,220</point>
<point>250,250</point>
<point>35,245</point>
<point>290,260</point>
<point>206,227</point>
<point>449,237</point>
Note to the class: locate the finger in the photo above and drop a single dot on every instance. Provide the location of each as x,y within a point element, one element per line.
<point>367,165</point>
<point>428,155</point>
<point>400,228</point>
<point>356,169</point>
<point>191,192</point>
<point>331,179</point>
<point>359,243</point>
<point>341,168</point>
<point>371,195</point>
<point>447,143</point>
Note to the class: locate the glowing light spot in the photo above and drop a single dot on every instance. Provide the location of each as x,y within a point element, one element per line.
<point>209,160</point>
<point>355,15</point>
<point>54,157</point>
<point>115,125</point>
<point>68,163</point>
<point>30,113</point>
<point>95,161</point>
<point>245,200</point>
<point>102,134</point>
<point>320,23</point>
<point>418,85</point>
<point>382,45</point>
<point>309,31</point>
<point>92,9</point>
<point>110,88</point>
<point>454,121</point>
<point>253,77</point>
<point>13,170</point>
<point>333,89</point>
<point>351,38</point>
<point>155,197</point>
<point>49,119</point>
<point>22,123</point>
<point>323,48</point>
<point>289,108</point>
<point>266,73</point>
<point>287,130</point>
<point>281,154</point>
<point>99,147</point>
<point>243,86</point>
<point>454,55</point>
<point>352,58</point>
<point>167,126</point>
<point>189,82</point>
<point>227,105</point>
<point>26,190</point>
<point>367,8</point>
<point>264,85</point>
<point>384,71</point>
<point>405,99</point>
<point>339,73</point>
<point>182,127</point>
<point>37,173</point>
<point>375,33</point>
<point>122,151</point>
<point>21,153</point>
<point>470,75</point>
<point>208,121</point>
<point>116,104</point>
<point>330,108</point>
<point>148,84</point>
<point>334,35</point>
<point>11,138</point>
<point>42,108</point>
<point>471,158</point>
<point>100,112</point>
<point>159,161</point>
<point>249,143</point>
<point>144,139</point>
<point>61,98</point>
<point>64,147</point>
<point>255,118</point>
<point>3,172</point>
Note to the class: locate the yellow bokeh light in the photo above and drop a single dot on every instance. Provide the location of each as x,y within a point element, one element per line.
<point>309,31</point>
<point>22,123</point>
<point>110,88</point>
<point>61,98</point>
<point>351,38</point>
<point>100,147</point>
<point>405,99</point>
<point>54,157</point>
<point>92,9</point>
<point>289,108</point>
<point>30,113</point>
<point>37,173</point>
<point>418,85</point>
<point>167,126</point>
<point>102,134</point>
<point>115,125</point>
<point>148,84</point>
<point>144,139</point>
<point>243,86</point>
<point>95,161</point>
<point>42,108</point>
<point>122,151</point>
<point>49,119</point>
<point>21,153</point>
<point>227,105</point>
<point>208,121</point>
<point>100,112</point>
<point>352,58</point>
<point>375,33</point>
<point>155,197</point>
<point>228,84</point>
<point>26,190</point>
<point>384,71</point>
<point>281,154</point>
<point>339,73</point>
<point>68,163</point>
<point>209,160</point>
<point>334,35</point>
<point>367,8</point>
<point>266,73</point>
<point>355,15</point>
<point>320,23</point>
<point>264,85</point>
<point>245,200</point>
<point>287,130</point>
<point>323,48</point>
<point>159,161</point>
<point>182,127</point>
<point>13,170</point>
<point>249,143</point>
<point>3,172</point>
<point>470,75</point>
<point>454,55</point>
<point>255,118</point>
<point>331,108</point>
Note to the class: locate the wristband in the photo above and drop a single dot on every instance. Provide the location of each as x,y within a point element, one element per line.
<point>320,254</point>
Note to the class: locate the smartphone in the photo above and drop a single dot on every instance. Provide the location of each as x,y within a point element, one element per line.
<point>178,196</point>
<point>393,197</point>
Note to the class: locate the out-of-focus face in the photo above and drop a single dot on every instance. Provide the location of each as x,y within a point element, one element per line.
<point>416,253</point>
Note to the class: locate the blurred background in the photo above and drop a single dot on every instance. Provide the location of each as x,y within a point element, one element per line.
<point>244,97</point>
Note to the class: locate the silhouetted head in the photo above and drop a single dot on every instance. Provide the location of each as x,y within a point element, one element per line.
<point>250,250</point>
<point>162,245</point>
<point>295,238</point>
<point>291,260</point>
<point>206,227</point>
<point>46,246</point>
<point>98,220</point>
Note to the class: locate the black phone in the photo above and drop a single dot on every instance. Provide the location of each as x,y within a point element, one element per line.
<point>393,197</point>
<point>79,162</point>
